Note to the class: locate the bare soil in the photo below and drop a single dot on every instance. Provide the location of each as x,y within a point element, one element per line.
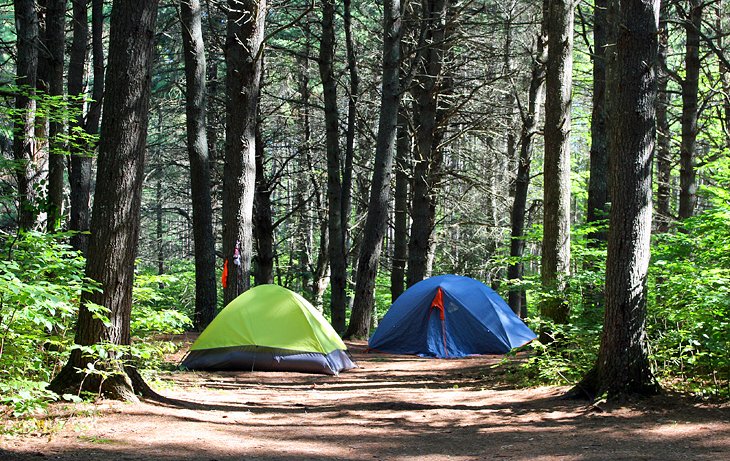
<point>391,408</point>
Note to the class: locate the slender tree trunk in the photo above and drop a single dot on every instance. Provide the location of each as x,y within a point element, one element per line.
<point>76,177</point>
<point>597,184</point>
<point>159,236</point>
<point>690,113</point>
<point>623,365</point>
<point>555,265</point>
<point>24,144</point>
<point>664,136</point>
<point>244,59</point>
<point>400,224</point>
<point>263,222</point>
<point>354,91</point>
<point>429,112</point>
<point>337,255</point>
<point>377,217</point>
<point>197,141</point>
<point>530,129</point>
<point>55,35</point>
<point>115,224</point>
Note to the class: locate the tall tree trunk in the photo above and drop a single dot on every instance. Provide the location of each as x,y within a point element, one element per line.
<point>690,112</point>
<point>400,224</point>
<point>377,217</point>
<point>159,235</point>
<point>54,41</point>
<point>337,255</point>
<point>597,184</point>
<point>354,91</point>
<point>623,365</point>
<point>76,178</point>
<point>244,59</point>
<point>555,265</point>
<point>530,129</point>
<point>80,170</point>
<point>429,112</point>
<point>664,136</point>
<point>197,141</point>
<point>115,222</point>
<point>24,144</point>
<point>263,222</point>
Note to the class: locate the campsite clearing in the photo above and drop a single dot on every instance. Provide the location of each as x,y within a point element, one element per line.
<point>391,408</point>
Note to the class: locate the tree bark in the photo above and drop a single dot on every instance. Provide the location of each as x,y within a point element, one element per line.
<point>690,112</point>
<point>115,222</point>
<point>244,59</point>
<point>555,266</point>
<point>377,216</point>
<point>530,129</point>
<point>78,156</point>
<point>337,250</point>
<point>597,184</point>
<point>664,136</point>
<point>54,40</point>
<point>263,222</point>
<point>623,365</point>
<point>24,144</point>
<point>400,224</point>
<point>197,142</point>
<point>354,91</point>
<point>429,118</point>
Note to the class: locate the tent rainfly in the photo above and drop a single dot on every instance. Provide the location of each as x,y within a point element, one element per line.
<point>269,328</point>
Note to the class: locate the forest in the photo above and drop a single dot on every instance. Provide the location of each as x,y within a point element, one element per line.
<point>159,158</point>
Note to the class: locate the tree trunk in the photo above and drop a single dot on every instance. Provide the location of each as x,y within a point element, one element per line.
<point>400,224</point>
<point>597,185</point>
<point>76,177</point>
<point>690,113</point>
<point>337,255</point>
<point>244,59</point>
<point>664,136</point>
<point>115,222</point>
<point>623,365</point>
<point>263,222</point>
<point>351,127</point>
<point>429,112</point>
<point>197,141</point>
<point>377,216</point>
<point>530,129</point>
<point>24,144</point>
<point>555,265</point>
<point>54,41</point>
<point>80,171</point>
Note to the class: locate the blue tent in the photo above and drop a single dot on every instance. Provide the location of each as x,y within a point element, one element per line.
<point>449,316</point>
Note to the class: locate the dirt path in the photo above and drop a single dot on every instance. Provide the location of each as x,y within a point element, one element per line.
<point>392,408</point>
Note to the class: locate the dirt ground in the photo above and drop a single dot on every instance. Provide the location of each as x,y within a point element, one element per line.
<point>391,408</point>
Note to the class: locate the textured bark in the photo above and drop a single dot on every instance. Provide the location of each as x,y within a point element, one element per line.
<point>197,142</point>
<point>244,62</point>
<point>115,222</point>
<point>690,112</point>
<point>337,254</point>
<point>53,44</point>
<point>597,184</point>
<point>664,136</point>
<point>555,266</point>
<point>354,91</point>
<point>24,144</point>
<point>78,176</point>
<point>530,129</point>
<point>263,222</point>
<point>400,221</point>
<point>377,216</point>
<point>429,119</point>
<point>623,364</point>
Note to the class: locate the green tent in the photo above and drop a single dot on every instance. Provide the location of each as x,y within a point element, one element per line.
<point>269,328</point>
